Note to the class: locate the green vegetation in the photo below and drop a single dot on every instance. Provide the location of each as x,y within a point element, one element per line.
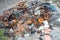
<point>2,37</point>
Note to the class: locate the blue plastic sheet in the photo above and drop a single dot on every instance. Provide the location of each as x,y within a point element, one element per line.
<point>52,8</point>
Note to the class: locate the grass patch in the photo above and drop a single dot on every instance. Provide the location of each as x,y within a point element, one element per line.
<point>2,37</point>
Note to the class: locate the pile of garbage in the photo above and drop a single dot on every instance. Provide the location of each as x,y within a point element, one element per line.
<point>27,18</point>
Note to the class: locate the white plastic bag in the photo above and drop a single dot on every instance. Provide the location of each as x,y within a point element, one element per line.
<point>26,35</point>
